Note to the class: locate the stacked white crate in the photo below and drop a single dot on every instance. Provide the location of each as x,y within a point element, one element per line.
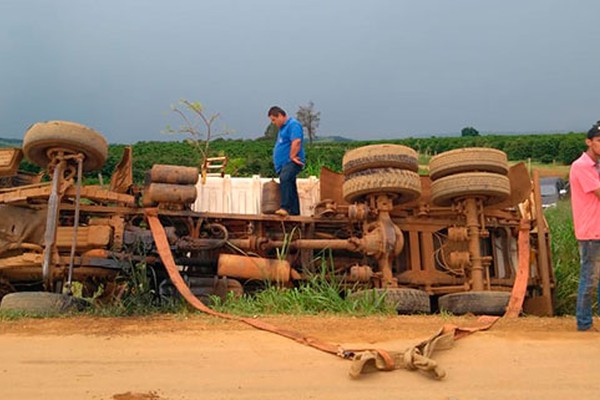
<point>243,195</point>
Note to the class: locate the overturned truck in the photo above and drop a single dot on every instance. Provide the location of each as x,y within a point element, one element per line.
<point>452,240</point>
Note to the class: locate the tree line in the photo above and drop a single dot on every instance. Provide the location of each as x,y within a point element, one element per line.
<point>251,157</point>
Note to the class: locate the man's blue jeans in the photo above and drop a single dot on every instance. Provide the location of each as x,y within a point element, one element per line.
<point>589,252</point>
<point>289,191</point>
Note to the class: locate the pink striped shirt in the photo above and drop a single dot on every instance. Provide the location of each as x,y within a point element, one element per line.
<point>585,180</point>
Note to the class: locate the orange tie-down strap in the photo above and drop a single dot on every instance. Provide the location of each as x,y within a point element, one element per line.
<point>417,357</point>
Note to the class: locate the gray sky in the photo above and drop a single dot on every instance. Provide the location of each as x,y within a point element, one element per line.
<point>375,69</point>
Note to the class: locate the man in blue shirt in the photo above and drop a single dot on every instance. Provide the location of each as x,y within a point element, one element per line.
<point>289,159</point>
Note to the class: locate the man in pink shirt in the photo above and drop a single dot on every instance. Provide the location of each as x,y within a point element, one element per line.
<point>585,200</point>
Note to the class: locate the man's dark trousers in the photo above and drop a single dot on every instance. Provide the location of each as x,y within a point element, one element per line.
<point>289,191</point>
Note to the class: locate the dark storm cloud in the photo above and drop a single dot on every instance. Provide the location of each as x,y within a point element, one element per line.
<point>379,69</point>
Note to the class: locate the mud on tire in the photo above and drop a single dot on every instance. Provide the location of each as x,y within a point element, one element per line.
<point>469,159</point>
<point>73,137</point>
<point>493,188</point>
<point>406,185</point>
<point>380,156</point>
<point>478,303</point>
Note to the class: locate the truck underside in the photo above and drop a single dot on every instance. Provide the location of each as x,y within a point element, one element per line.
<point>454,239</point>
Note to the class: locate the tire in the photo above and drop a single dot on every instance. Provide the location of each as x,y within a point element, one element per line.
<point>75,138</point>
<point>42,303</point>
<point>405,301</point>
<point>405,184</point>
<point>380,156</point>
<point>469,159</point>
<point>493,188</point>
<point>478,303</point>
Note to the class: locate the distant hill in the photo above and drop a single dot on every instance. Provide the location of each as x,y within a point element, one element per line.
<point>329,139</point>
<point>10,142</point>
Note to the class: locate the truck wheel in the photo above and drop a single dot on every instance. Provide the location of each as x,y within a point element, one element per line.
<point>75,138</point>
<point>42,303</point>
<point>380,156</point>
<point>405,301</point>
<point>493,188</point>
<point>405,184</point>
<point>469,159</point>
<point>478,303</point>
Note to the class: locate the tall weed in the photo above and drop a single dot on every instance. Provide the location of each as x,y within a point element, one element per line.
<point>319,293</point>
<point>565,256</point>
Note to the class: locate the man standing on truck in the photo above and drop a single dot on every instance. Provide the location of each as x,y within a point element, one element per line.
<point>289,159</point>
<point>585,201</point>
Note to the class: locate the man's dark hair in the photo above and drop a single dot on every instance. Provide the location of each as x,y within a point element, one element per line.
<point>276,111</point>
<point>595,131</point>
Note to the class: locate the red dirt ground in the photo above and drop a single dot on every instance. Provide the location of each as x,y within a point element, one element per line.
<point>194,357</point>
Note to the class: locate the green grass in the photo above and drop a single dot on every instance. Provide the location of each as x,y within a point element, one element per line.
<point>565,256</point>
<point>316,295</point>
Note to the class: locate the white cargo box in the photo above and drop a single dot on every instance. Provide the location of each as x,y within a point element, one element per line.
<point>244,195</point>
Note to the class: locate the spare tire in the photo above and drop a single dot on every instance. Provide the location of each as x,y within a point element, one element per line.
<point>42,303</point>
<point>404,300</point>
<point>478,303</point>
<point>493,188</point>
<point>406,185</point>
<point>70,136</point>
<point>469,159</point>
<point>380,156</point>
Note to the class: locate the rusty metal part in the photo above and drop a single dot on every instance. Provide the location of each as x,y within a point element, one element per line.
<point>390,238</point>
<point>75,223</point>
<point>43,190</point>
<point>51,224</point>
<point>85,237</point>
<point>358,212</point>
<point>326,208</point>
<point>543,248</point>
<point>91,257</point>
<point>472,216</point>
<point>351,244</point>
<point>174,174</point>
<point>22,260</point>
<point>169,193</point>
<point>330,184</point>
<point>21,225</point>
<point>135,234</point>
<point>360,273</point>
<point>459,260</point>
<point>188,243</point>
<point>382,237</point>
<point>458,234</point>
<point>520,187</point>
<point>10,158</point>
<point>122,177</point>
<point>24,246</point>
<point>253,268</point>
<point>118,224</point>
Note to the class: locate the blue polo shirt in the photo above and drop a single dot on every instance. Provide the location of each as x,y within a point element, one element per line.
<point>288,132</point>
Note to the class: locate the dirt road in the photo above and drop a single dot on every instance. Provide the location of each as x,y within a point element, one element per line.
<point>173,358</point>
